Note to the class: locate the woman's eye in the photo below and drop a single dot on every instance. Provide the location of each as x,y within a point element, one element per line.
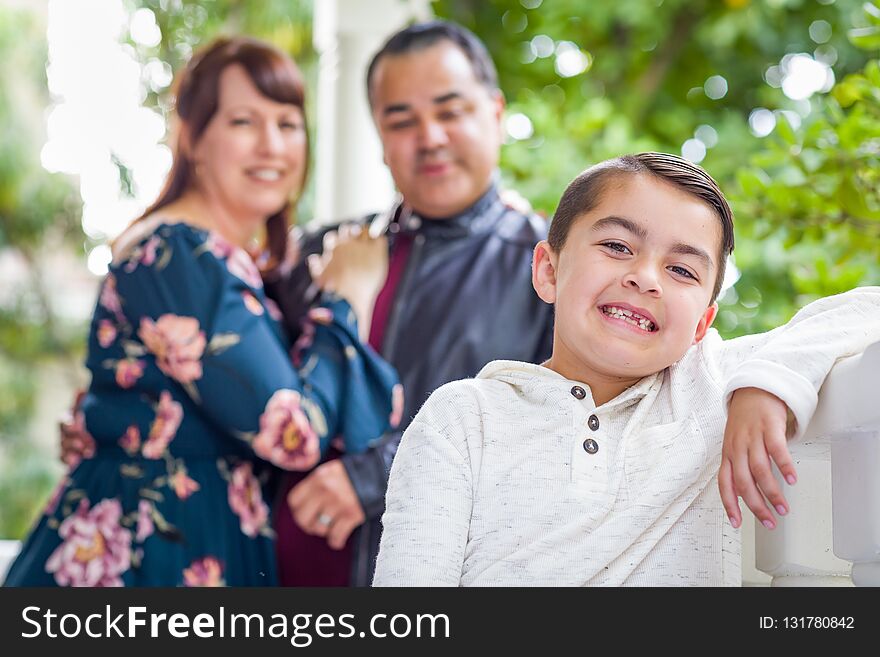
<point>681,271</point>
<point>289,125</point>
<point>241,121</point>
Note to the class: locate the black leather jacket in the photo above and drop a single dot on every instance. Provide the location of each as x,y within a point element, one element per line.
<point>465,298</point>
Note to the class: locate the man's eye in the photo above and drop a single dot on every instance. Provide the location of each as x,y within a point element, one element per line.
<point>401,125</point>
<point>450,115</point>
<point>681,271</point>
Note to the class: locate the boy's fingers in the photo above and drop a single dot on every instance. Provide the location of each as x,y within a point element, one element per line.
<point>747,490</point>
<point>778,450</point>
<point>762,472</point>
<point>728,493</point>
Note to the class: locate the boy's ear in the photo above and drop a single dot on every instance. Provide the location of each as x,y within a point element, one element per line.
<point>705,322</point>
<point>544,261</point>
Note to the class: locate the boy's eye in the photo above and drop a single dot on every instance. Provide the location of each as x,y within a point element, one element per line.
<point>681,271</point>
<point>617,247</point>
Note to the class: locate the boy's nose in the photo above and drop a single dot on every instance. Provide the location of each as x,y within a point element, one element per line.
<point>644,280</point>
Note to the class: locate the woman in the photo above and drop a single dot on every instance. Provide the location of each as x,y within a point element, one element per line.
<point>194,397</point>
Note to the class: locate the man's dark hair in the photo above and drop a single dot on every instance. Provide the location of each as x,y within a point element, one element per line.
<point>585,192</point>
<point>424,35</point>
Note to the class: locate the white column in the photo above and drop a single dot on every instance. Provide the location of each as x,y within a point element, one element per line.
<point>350,177</point>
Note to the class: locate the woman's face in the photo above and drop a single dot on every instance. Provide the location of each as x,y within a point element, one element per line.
<point>251,157</point>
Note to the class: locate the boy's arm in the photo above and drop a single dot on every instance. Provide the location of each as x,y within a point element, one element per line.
<point>772,384</point>
<point>427,507</point>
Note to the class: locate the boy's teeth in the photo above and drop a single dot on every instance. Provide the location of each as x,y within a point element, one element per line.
<point>629,317</point>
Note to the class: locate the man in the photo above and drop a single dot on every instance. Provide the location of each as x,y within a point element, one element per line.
<point>458,292</point>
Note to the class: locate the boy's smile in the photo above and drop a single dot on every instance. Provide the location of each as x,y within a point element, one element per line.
<point>632,285</point>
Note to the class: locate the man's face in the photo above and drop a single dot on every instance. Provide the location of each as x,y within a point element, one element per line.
<point>440,128</point>
<point>633,283</point>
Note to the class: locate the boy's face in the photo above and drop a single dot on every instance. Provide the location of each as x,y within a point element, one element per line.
<point>649,250</point>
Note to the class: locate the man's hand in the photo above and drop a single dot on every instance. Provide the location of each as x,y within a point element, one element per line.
<point>325,504</point>
<point>756,432</point>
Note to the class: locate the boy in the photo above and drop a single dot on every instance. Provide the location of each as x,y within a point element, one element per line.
<point>598,467</point>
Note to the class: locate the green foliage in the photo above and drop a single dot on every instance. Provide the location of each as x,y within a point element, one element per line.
<point>805,199</point>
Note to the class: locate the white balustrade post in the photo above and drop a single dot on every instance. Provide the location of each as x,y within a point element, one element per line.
<point>834,525</point>
<point>350,178</point>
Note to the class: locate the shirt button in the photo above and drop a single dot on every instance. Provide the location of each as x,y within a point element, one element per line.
<point>591,446</point>
<point>578,393</point>
<point>593,423</point>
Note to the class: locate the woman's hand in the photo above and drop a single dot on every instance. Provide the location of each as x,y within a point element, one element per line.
<point>354,266</point>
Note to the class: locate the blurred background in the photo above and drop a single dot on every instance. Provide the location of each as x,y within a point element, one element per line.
<point>778,99</point>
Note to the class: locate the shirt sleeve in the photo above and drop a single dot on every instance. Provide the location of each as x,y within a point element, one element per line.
<point>793,360</point>
<point>197,316</point>
<point>428,506</point>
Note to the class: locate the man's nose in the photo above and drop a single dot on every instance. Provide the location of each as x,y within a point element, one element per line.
<point>432,134</point>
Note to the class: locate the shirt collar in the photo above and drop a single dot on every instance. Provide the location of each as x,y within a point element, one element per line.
<point>479,217</point>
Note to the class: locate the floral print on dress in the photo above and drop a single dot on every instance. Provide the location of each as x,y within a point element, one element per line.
<point>96,549</point>
<point>238,262</point>
<point>206,572</point>
<point>106,333</point>
<point>145,526</point>
<point>286,436</point>
<point>246,500</point>
<point>169,414</point>
<point>177,343</point>
<point>131,440</point>
<point>109,298</point>
<point>128,371</point>
<point>182,485</point>
<point>252,303</point>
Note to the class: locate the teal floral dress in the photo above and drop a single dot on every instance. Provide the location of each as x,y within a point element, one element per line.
<point>195,401</point>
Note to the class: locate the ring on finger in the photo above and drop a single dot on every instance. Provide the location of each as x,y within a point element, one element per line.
<point>324,519</point>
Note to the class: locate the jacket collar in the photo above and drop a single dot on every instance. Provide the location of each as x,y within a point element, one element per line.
<point>479,217</point>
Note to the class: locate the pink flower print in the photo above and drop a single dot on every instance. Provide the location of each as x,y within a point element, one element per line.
<point>177,343</point>
<point>109,298</point>
<point>274,310</point>
<point>96,548</point>
<point>148,256</point>
<point>303,342</point>
<point>183,486</point>
<point>106,333</point>
<point>144,255</point>
<point>84,445</point>
<point>204,572</point>
<point>252,303</point>
<point>238,262</point>
<point>246,500</point>
<point>321,315</point>
<point>145,526</point>
<point>128,371</point>
<point>169,413</point>
<point>286,437</point>
<point>396,405</point>
<point>131,440</point>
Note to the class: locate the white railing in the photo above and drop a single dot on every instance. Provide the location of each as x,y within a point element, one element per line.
<point>832,535</point>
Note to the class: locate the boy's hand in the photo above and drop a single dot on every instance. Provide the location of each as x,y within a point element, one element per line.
<point>755,433</point>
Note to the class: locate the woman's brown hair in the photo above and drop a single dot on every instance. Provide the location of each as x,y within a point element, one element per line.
<point>197,94</point>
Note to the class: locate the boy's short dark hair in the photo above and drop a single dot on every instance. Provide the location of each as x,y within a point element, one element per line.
<point>585,192</point>
<point>424,35</point>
